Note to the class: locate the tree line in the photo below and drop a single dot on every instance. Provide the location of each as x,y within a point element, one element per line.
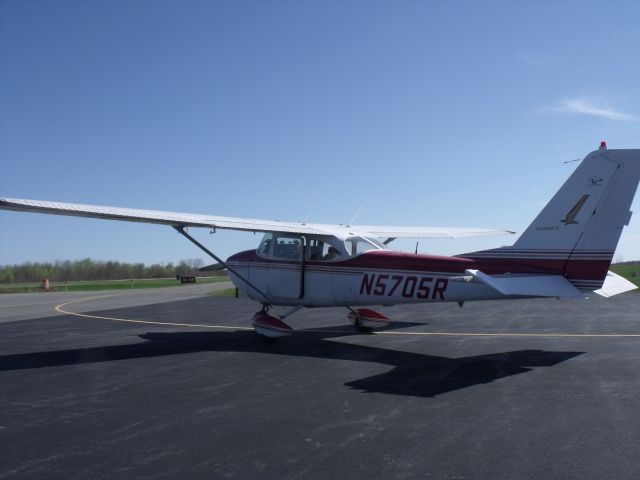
<point>88,269</point>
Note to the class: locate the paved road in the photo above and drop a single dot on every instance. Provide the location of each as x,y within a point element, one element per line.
<point>551,392</point>
<point>20,306</point>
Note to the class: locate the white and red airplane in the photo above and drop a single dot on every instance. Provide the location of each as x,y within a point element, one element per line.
<point>565,252</point>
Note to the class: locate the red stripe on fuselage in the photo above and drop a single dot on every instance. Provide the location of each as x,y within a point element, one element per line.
<point>388,260</point>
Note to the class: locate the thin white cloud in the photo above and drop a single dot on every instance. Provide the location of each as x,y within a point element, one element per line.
<point>536,60</point>
<point>587,106</point>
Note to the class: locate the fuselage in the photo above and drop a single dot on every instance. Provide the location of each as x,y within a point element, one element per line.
<point>377,277</point>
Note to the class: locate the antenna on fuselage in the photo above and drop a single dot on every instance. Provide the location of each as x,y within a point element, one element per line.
<point>356,214</point>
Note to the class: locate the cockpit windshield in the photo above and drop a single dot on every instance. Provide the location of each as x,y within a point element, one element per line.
<point>264,248</point>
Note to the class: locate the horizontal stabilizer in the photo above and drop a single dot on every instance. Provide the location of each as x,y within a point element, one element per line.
<point>615,284</point>
<point>528,285</point>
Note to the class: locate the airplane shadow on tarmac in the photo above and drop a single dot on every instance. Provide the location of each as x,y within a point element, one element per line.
<point>411,374</point>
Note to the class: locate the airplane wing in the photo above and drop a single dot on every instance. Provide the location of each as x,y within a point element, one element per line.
<point>154,216</point>
<point>232,223</point>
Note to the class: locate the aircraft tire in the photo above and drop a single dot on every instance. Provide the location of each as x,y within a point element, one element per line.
<point>361,328</point>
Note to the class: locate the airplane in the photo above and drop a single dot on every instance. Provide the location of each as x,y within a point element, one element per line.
<point>564,253</point>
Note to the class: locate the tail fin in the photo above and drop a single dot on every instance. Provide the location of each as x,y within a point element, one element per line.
<point>576,234</point>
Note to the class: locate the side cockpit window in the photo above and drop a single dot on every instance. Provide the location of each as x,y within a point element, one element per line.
<point>282,247</point>
<point>323,250</point>
<point>287,248</point>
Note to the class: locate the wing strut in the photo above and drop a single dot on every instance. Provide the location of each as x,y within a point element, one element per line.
<point>181,231</point>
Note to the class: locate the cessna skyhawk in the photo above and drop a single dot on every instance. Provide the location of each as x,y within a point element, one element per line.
<point>565,252</point>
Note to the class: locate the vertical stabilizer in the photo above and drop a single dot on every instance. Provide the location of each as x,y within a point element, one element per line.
<point>577,232</point>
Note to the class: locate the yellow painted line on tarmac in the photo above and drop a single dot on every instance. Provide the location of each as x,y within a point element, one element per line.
<point>506,334</point>
<point>60,308</point>
<point>484,334</point>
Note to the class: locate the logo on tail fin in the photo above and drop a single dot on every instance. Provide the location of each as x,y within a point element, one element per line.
<point>571,215</point>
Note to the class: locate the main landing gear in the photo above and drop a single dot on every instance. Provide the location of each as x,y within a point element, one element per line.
<point>364,320</point>
<point>272,326</point>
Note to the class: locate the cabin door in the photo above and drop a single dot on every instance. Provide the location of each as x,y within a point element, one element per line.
<point>285,274</point>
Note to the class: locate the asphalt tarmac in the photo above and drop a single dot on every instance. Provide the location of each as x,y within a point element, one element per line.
<point>171,383</point>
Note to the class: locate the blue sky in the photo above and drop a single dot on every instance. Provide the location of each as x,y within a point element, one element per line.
<point>424,113</point>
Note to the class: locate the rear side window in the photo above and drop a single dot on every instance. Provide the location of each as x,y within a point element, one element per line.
<point>358,245</point>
